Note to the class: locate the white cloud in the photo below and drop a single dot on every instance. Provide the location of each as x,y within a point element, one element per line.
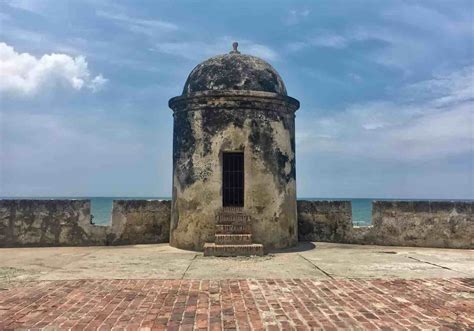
<point>433,119</point>
<point>455,22</point>
<point>321,39</point>
<point>436,135</point>
<point>329,40</point>
<point>44,153</point>
<point>97,83</point>
<point>138,25</point>
<point>259,50</point>
<point>445,88</point>
<point>24,74</point>
<point>296,16</point>
<point>410,42</point>
<point>27,5</point>
<point>396,38</point>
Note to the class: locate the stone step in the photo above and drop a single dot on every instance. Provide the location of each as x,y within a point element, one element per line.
<point>233,228</point>
<point>233,239</point>
<point>212,249</point>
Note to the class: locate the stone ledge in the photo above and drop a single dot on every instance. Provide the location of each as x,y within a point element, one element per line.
<point>211,249</point>
<point>232,98</point>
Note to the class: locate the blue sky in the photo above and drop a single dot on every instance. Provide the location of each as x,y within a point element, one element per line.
<point>386,91</point>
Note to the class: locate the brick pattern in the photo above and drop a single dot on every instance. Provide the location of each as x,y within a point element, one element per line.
<point>270,304</point>
<point>233,235</point>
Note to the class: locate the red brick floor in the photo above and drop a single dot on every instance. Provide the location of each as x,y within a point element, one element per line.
<point>272,304</point>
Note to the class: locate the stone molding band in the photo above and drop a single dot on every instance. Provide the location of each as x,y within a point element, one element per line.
<point>234,99</point>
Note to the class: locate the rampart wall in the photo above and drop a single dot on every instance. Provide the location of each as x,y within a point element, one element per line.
<point>48,223</point>
<point>447,224</point>
<point>444,224</point>
<point>68,223</point>
<point>140,222</point>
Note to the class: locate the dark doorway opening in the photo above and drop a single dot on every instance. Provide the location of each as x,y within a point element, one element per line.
<point>233,179</point>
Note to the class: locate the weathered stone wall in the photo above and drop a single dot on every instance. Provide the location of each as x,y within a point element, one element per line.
<point>422,223</point>
<point>259,124</point>
<point>48,223</point>
<point>401,223</point>
<point>67,223</point>
<point>140,222</point>
<point>324,220</point>
<point>446,224</point>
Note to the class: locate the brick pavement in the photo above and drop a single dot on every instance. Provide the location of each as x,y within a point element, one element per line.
<point>272,304</point>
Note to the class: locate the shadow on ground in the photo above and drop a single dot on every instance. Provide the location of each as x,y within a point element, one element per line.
<point>302,246</point>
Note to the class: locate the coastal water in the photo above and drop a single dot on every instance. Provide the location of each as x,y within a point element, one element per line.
<point>101,207</point>
<point>361,209</point>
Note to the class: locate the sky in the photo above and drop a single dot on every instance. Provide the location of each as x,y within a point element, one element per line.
<point>386,91</point>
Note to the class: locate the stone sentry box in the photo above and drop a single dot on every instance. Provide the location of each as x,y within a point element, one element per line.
<point>234,103</point>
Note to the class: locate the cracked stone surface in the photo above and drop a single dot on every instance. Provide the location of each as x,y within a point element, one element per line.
<point>307,260</point>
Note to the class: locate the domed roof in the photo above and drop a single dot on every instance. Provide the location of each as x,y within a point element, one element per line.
<point>234,71</point>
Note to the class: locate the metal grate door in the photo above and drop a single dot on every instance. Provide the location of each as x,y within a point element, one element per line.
<point>233,179</point>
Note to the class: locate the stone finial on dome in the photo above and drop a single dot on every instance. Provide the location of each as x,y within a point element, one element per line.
<point>234,46</point>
